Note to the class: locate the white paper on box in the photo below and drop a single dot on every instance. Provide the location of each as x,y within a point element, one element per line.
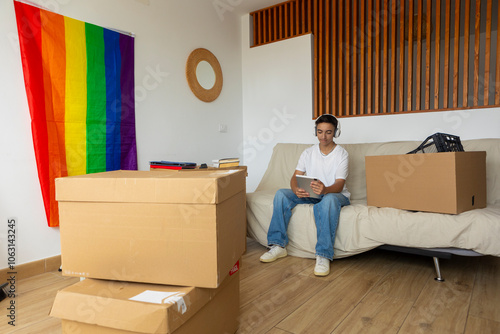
<point>162,297</point>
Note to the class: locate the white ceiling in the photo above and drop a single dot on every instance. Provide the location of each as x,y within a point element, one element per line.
<point>247,6</point>
<point>239,6</point>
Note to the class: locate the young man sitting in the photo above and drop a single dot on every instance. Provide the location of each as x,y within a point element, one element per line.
<point>328,163</point>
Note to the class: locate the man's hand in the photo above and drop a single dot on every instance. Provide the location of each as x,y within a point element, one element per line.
<point>318,187</point>
<point>301,192</point>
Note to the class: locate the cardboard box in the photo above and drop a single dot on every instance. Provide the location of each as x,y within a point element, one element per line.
<point>100,306</point>
<point>445,182</point>
<point>153,227</point>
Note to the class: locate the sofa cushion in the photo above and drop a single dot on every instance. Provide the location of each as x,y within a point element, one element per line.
<point>281,166</point>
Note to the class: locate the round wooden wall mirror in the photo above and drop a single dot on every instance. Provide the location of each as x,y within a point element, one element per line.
<point>204,75</point>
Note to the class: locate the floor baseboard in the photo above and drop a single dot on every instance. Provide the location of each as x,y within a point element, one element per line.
<point>30,269</point>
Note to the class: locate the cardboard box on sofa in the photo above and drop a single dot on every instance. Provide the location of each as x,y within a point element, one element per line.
<point>153,227</point>
<point>445,182</point>
<point>111,307</point>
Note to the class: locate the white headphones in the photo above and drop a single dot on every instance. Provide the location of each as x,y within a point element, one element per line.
<point>332,120</point>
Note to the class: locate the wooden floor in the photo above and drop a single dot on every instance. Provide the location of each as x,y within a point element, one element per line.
<point>375,292</point>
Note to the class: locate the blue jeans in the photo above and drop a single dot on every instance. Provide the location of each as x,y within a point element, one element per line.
<point>326,215</point>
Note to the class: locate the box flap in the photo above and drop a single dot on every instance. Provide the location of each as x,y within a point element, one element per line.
<point>153,309</point>
<point>195,187</point>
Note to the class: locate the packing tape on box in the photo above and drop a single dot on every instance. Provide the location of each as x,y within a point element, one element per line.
<point>162,297</point>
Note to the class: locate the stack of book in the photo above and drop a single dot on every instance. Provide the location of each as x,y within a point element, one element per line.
<point>226,162</point>
<point>172,165</point>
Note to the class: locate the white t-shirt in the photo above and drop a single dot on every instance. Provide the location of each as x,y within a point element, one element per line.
<point>327,168</point>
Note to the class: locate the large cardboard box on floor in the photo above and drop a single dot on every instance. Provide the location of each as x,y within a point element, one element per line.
<point>445,182</point>
<point>111,307</point>
<point>153,227</point>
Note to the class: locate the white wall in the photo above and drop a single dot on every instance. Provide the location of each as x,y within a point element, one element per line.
<point>277,100</point>
<point>171,123</point>
<point>278,77</point>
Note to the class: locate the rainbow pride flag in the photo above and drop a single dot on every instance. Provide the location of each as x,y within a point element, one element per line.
<point>79,80</point>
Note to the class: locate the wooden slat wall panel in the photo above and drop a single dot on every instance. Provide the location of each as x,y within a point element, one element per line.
<point>446,73</point>
<point>428,54</point>
<point>393,55</point>
<point>327,56</point>
<point>347,57</point>
<point>332,61</point>
<point>465,100</point>
<point>297,17</point>
<point>369,66</point>
<point>303,16</point>
<point>363,67</point>
<point>275,23</point>
<point>287,20</point>
<point>497,75</point>
<point>456,43</point>
<point>487,54</point>
<point>269,35</point>
<point>377,22</point>
<point>410,55</point>
<point>362,15</point>
<point>308,15</point>
<point>418,77</point>
<point>296,21</point>
<point>321,69</point>
<point>340,32</point>
<point>477,25</point>
<point>402,28</point>
<point>316,65</point>
<point>385,57</point>
<point>354,58</point>
<point>437,54</point>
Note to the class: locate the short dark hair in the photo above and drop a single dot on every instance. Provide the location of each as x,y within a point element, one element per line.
<point>327,118</point>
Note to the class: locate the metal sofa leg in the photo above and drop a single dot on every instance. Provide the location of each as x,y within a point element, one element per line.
<point>438,277</point>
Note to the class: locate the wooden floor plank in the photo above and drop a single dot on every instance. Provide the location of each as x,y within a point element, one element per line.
<point>268,275</point>
<point>484,326</point>
<point>486,296</point>
<point>385,307</point>
<point>323,312</point>
<point>407,278</point>
<point>47,326</point>
<point>31,283</point>
<point>337,268</point>
<point>251,258</point>
<point>33,301</point>
<point>278,331</point>
<point>443,307</point>
<point>261,315</point>
<point>377,313</point>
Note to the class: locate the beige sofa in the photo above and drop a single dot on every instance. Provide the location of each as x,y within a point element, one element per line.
<point>362,228</point>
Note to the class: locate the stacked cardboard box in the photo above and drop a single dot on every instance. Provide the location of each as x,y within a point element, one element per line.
<point>149,237</point>
<point>445,182</point>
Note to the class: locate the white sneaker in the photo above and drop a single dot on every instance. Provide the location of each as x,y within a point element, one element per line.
<point>322,267</point>
<point>276,252</point>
